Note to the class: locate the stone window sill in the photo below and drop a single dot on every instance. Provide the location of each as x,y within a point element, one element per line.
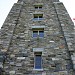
<point>38,69</point>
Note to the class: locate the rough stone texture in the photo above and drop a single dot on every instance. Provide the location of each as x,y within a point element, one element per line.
<point>17,43</point>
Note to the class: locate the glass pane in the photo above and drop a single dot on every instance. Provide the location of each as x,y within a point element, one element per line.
<point>41,33</point>
<point>40,7</point>
<point>35,17</point>
<point>38,62</point>
<point>35,33</point>
<point>36,7</point>
<point>40,16</point>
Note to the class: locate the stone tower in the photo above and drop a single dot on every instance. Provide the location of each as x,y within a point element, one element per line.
<point>37,38</point>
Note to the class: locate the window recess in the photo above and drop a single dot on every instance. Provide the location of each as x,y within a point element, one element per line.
<point>38,6</point>
<point>38,17</point>
<point>38,60</point>
<point>38,32</point>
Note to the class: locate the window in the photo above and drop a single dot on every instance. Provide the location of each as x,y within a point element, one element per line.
<point>38,17</point>
<point>38,32</point>
<point>38,60</point>
<point>38,6</point>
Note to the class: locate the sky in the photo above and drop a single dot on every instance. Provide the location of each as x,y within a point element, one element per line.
<point>6,5</point>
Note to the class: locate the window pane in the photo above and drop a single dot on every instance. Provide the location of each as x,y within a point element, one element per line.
<point>35,16</point>
<point>36,7</point>
<point>41,33</point>
<point>41,16</point>
<point>35,33</point>
<point>38,62</point>
<point>40,7</point>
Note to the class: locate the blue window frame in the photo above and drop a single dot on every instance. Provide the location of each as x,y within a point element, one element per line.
<point>38,33</point>
<point>38,62</point>
<point>38,17</point>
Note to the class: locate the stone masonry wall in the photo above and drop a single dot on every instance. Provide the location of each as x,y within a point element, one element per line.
<point>17,43</point>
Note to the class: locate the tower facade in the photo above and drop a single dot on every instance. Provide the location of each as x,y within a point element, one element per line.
<point>37,38</point>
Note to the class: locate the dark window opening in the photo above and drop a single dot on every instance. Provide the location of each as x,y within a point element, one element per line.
<point>38,6</point>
